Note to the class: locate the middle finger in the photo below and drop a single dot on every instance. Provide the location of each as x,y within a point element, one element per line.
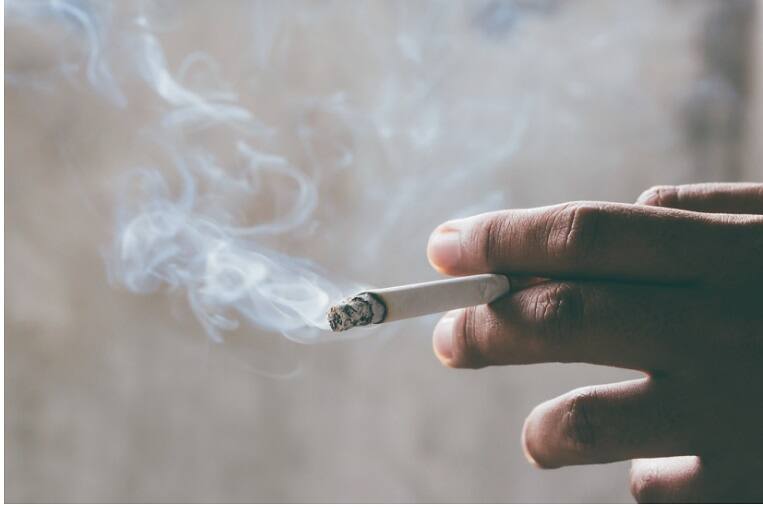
<point>649,328</point>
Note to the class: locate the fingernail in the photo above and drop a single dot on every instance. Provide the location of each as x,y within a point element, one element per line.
<point>444,249</point>
<point>443,336</point>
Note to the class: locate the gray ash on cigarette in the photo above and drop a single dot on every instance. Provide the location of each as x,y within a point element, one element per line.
<point>359,310</point>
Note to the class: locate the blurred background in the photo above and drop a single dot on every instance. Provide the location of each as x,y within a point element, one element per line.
<point>316,144</point>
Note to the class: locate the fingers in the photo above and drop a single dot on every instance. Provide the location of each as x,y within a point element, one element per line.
<point>655,417</point>
<point>607,423</point>
<point>707,197</point>
<point>667,480</point>
<point>631,326</point>
<point>602,240</point>
<point>733,477</point>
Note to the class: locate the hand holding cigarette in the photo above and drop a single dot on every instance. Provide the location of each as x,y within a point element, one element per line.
<point>670,286</point>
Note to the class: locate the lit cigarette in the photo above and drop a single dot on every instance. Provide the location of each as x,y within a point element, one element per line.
<point>408,301</point>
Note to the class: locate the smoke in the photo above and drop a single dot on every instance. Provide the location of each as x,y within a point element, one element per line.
<point>186,237</point>
<point>75,20</point>
<point>191,240</point>
<point>166,241</point>
<point>272,152</point>
<point>277,163</point>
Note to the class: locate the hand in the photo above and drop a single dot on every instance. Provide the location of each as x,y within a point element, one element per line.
<point>671,286</point>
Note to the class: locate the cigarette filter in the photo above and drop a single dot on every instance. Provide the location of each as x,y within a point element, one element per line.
<point>408,301</point>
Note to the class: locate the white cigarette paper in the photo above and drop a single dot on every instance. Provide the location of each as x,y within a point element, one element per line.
<point>408,301</point>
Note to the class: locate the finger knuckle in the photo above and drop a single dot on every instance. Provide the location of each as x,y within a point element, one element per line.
<point>558,313</point>
<point>573,233</point>
<point>579,424</point>
<point>490,240</point>
<point>661,195</point>
<point>471,339</point>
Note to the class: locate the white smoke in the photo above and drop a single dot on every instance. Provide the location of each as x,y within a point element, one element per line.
<point>187,236</point>
<point>277,164</point>
<point>192,240</point>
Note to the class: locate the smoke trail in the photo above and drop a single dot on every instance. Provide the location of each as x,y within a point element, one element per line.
<point>76,18</point>
<point>227,274</point>
<point>191,242</point>
<point>240,181</point>
<point>187,236</point>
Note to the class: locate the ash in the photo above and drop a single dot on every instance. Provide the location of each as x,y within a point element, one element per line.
<point>355,311</point>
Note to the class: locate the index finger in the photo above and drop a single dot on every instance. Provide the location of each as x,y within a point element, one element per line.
<point>602,240</point>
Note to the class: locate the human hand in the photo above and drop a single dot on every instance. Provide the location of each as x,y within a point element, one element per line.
<point>670,286</point>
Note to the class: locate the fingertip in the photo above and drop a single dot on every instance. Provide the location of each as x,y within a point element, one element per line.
<point>444,248</point>
<point>637,465</point>
<point>535,432</point>
<point>676,479</point>
<point>660,196</point>
<point>525,448</point>
<point>442,337</point>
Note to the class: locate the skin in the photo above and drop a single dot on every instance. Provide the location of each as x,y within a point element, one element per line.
<point>671,286</point>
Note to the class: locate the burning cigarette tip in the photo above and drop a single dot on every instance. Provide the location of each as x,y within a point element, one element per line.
<point>360,310</point>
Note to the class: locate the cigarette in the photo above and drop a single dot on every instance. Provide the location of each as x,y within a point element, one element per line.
<point>408,301</point>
